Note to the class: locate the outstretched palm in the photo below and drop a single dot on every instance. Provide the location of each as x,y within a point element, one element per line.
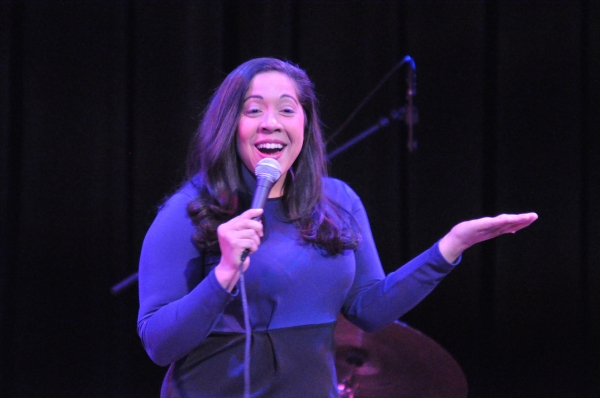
<point>468,233</point>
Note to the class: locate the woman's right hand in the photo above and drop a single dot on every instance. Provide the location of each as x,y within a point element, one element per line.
<point>235,236</point>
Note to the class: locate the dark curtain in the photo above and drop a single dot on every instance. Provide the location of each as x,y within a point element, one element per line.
<point>98,101</point>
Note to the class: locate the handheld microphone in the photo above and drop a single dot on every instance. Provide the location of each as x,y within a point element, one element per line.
<point>267,172</point>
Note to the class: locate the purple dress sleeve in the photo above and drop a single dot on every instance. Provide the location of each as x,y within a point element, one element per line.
<point>375,300</point>
<point>175,317</point>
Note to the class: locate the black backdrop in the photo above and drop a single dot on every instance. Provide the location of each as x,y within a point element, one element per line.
<point>98,101</point>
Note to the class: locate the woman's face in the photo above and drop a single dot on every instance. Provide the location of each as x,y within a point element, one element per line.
<point>271,124</point>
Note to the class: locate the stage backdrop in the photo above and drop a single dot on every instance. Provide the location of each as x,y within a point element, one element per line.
<point>98,101</point>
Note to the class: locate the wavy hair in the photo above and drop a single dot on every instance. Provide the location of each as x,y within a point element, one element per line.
<point>222,193</point>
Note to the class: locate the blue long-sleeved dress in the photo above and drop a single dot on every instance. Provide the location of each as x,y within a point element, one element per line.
<point>295,292</point>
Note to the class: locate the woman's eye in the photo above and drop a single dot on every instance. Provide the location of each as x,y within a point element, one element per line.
<point>253,111</point>
<point>288,111</point>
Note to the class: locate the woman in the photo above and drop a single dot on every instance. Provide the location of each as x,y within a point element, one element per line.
<point>312,254</point>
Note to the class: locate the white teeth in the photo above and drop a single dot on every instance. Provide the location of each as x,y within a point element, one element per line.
<point>269,145</point>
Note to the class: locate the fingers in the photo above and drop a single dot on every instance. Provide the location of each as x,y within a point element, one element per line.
<point>511,223</point>
<point>251,214</point>
<point>523,217</point>
<point>238,234</point>
<point>247,221</point>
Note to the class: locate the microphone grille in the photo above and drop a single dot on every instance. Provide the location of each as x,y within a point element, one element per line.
<point>269,169</point>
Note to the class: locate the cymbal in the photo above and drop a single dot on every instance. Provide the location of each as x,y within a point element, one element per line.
<point>395,362</point>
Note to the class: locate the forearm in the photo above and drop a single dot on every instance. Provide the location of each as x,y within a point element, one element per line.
<point>382,302</point>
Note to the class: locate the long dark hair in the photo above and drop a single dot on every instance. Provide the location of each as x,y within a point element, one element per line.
<point>213,160</point>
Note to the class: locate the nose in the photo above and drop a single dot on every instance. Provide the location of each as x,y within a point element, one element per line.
<point>270,123</point>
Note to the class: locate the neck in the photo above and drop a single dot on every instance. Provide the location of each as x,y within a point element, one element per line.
<point>277,190</point>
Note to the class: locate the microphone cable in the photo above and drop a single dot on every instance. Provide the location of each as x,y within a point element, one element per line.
<point>242,284</point>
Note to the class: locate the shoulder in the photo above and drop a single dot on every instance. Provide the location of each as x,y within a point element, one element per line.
<point>181,198</point>
<point>172,226</point>
<point>341,193</point>
<point>174,208</point>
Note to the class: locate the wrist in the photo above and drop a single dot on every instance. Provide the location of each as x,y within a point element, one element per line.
<point>227,276</point>
<point>451,248</point>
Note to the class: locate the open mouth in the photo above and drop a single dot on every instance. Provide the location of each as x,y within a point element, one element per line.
<point>270,148</point>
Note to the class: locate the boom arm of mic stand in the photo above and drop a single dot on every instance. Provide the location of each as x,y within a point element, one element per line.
<point>382,123</point>
<point>396,114</point>
<point>125,283</point>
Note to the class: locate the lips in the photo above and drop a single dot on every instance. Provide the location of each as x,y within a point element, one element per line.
<point>270,148</point>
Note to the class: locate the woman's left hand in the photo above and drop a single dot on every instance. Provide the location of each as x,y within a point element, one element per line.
<point>468,233</point>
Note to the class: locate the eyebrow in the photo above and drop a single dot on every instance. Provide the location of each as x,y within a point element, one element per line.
<point>261,97</point>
